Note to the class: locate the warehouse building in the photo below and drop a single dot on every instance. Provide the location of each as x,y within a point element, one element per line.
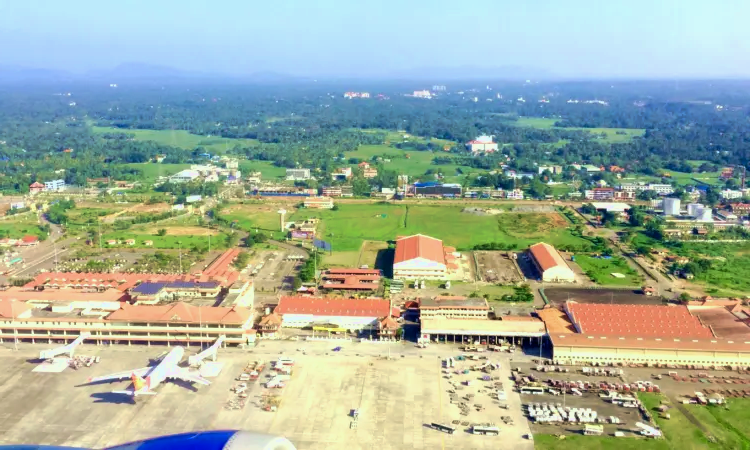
<point>550,264</point>
<point>350,314</point>
<point>648,334</point>
<point>421,257</point>
<point>515,329</point>
<point>434,189</point>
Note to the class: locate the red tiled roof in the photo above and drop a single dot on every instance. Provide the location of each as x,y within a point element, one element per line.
<point>181,312</point>
<point>419,246</point>
<point>343,271</point>
<point>11,309</point>
<point>388,323</point>
<point>636,320</point>
<point>546,256</point>
<point>371,307</point>
<point>120,281</point>
<point>60,295</point>
<point>651,343</point>
<point>29,239</point>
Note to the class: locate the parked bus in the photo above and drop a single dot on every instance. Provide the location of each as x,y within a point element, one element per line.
<point>489,431</point>
<point>443,428</point>
<point>532,390</point>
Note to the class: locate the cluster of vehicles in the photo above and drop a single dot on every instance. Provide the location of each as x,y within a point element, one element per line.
<point>549,413</point>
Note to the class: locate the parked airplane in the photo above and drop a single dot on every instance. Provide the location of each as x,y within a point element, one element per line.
<point>211,351</point>
<point>148,378</point>
<point>68,349</point>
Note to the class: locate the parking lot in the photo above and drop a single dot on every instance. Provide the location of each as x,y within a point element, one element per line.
<point>396,399</point>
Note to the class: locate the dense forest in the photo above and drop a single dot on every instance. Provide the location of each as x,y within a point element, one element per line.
<point>46,131</point>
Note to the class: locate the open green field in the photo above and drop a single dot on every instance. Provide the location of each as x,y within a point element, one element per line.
<point>683,178</point>
<point>580,442</point>
<point>354,223</point>
<point>181,139</point>
<point>600,270</point>
<point>729,264</point>
<point>151,171</point>
<point>266,168</point>
<point>613,135</point>
<point>251,216</point>
<point>17,228</point>
<point>417,164</point>
<point>170,241</point>
<point>681,431</point>
<point>393,137</point>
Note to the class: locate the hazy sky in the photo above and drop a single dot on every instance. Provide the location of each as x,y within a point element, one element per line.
<point>572,38</point>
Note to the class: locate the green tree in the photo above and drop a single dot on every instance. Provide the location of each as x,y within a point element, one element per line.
<point>161,232</point>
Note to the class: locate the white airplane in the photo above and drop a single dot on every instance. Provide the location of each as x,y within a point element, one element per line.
<point>647,430</point>
<point>148,378</point>
<point>68,349</point>
<point>211,351</point>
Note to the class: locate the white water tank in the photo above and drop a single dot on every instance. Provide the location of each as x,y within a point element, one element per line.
<point>671,206</point>
<point>694,209</point>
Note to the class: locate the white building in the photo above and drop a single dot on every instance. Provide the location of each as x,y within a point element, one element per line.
<point>482,144</point>
<point>730,194</point>
<point>451,307</point>
<point>671,206</point>
<point>422,94</point>
<point>419,257</point>
<point>297,174</point>
<point>184,176</point>
<point>54,185</point>
<point>661,189</point>
<point>515,194</point>
<point>550,264</point>
<point>352,314</point>
<point>694,209</point>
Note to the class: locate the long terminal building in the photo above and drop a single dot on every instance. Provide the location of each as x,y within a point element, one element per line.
<point>150,309</point>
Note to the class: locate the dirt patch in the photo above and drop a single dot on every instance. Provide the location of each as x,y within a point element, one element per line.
<point>497,267</point>
<point>153,208</point>
<point>183,231</point>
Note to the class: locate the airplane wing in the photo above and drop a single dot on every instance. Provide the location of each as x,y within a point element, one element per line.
<point>185,375</point>
<point>121,375</point>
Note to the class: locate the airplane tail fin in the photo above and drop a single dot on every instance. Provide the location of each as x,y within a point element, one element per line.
<point>139,383</point>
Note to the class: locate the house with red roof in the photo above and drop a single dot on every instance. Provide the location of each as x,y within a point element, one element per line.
<point>28,241</point>
<point>35,188</point>
<point>352,314</point>
<point>420,257</point>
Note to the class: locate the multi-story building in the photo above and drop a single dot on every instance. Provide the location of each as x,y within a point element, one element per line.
<point>661,189</point>
<point>342,173</point>
<point>624,196</point>
<point>434,189</point>
<point>515,194</point>
<point>35,188</point>
<point>54,185</point>
<point>331,191</point>
<point>367,170</point>
<point>319,202</point>
<point>600,194</point>
<point>297,174</point>
<point>452,307</point>
<point>731,194</point>
<point>482,144</point>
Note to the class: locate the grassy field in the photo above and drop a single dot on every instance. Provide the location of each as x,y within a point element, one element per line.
<point>682,433</point>
<point>352,224</point>
<point>730,264</point>
<point>417,164</point>
<point>393,137</point>
<point>181,139</point>
<point>613,135</point>
<point>600,271</point>
<point>736,417</point>
<point>252,216</point>
<point>173,240</point>
<point>266,168</point>
<point>19,227</point>
<point>580,442</point>
<point>151,171</point>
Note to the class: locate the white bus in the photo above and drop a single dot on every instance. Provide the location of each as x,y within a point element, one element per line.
<point>443,428</point>
<point>489,431</point>
<point>536,390</point>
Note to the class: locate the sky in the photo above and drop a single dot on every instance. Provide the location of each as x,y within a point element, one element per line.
<point>365,38</point>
